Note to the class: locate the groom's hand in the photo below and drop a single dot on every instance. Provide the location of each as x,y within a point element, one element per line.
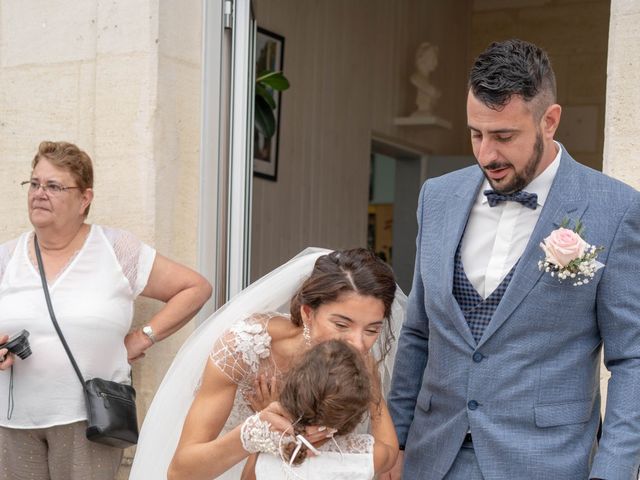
<point>396,472</point>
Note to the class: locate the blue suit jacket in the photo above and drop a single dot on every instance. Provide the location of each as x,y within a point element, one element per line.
<point>535,383</point>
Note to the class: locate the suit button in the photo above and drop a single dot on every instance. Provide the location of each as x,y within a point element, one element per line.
<point>477,357</point>
<point>473,405</point>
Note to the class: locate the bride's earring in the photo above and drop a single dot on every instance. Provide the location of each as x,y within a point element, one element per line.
<point>306,334</point>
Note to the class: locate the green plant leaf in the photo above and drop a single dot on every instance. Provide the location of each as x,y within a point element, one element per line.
<point>265,121</point>
<point>262,92</point>
<point>275,80</point>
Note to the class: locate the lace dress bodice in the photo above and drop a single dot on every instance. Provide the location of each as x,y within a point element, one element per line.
<point>242,353</point>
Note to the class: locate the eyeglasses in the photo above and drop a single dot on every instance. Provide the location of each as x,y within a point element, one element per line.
<point>51,188</point>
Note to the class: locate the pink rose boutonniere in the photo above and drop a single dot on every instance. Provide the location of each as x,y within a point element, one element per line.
<point>568,256</point>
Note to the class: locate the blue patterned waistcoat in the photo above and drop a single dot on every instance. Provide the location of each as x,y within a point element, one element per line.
<point>477,310</point>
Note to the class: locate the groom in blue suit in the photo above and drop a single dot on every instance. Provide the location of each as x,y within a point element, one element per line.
<point>497,374</point>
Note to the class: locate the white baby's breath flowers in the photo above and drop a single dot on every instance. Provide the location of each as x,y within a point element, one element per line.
<point>568,256</point>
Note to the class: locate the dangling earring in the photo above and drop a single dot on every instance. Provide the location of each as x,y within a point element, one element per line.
<point>306,334</point>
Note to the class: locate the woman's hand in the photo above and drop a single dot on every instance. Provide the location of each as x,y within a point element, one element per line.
<point>136,343</point>
<point>183,290</point>
<point>278,417</point>
<point>318,435</point>
<point>396,472</point>
<point>281,421</point>
<point>263,394</point>
<point>6,358</point>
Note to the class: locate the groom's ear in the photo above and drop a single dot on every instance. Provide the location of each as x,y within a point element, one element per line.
<point>550,121</point>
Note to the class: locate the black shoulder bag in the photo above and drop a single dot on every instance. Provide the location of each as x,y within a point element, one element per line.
<point>111,406</point>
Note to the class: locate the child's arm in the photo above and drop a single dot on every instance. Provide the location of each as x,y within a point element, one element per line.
<point>249,471</point>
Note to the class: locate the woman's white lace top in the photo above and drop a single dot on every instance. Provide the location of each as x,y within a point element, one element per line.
<point>92,298</point>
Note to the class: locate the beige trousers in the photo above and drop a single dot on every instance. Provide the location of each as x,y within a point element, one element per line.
<point>55,453</point>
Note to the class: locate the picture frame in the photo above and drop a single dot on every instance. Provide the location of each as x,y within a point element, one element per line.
<point>269,56</point>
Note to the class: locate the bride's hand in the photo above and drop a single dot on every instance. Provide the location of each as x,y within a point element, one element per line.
<point>278,417</point>
<point>318,435</point>
<point>263,394</point>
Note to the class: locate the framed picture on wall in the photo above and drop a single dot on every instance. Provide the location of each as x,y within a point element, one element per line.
<point>269,57</point>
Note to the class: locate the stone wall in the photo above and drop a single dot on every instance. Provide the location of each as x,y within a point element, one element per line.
<point>622,134</point>
<point>122,80</point>
<point>622,131</point>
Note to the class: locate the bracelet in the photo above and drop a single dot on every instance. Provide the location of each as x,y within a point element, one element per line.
<point>256,436</point>
<point>148,331</point>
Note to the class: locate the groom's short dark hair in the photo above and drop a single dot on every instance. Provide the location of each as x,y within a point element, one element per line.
<point>513,67</point>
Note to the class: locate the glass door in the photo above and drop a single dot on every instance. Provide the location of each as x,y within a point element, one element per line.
<point>226,148</point>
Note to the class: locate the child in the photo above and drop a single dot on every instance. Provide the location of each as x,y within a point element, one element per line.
<point>331,387</point>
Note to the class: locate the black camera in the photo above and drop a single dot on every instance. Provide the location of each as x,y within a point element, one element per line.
<point>19,344</point>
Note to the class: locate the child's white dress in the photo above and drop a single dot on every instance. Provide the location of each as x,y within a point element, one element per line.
<point>349,458</point>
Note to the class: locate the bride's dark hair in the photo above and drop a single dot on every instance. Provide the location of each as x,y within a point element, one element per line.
<point>348,271</point>
<point>329,386</point>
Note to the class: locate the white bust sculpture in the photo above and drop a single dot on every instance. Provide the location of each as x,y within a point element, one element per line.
<point>427,95</point>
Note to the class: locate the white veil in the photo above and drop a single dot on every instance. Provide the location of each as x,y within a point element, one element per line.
<point>163,423</point>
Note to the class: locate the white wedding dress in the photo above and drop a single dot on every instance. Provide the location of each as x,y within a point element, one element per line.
<point>236,339</point>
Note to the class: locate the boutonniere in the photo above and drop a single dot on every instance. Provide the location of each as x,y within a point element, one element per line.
<point>568,256</point>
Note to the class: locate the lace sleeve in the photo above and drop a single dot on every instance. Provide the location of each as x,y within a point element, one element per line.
<point>239,351</point>
<point>350,443</point>
<point>135,257</point>
<point>6,252</point>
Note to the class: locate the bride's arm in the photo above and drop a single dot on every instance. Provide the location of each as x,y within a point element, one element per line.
<point>385,448</point>
<point>201,454</point>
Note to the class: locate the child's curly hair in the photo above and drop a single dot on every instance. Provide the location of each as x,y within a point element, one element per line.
<point>330,386</point>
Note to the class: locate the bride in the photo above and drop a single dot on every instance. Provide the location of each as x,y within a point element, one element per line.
<point>349,295</point>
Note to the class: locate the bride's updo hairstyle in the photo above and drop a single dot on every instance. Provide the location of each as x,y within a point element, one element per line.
<point>348,271</point>
<point>329,386</point>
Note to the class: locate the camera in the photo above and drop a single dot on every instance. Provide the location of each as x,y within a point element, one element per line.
<point>19,344</point>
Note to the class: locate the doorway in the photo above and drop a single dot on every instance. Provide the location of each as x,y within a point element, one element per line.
<point>396,176</point>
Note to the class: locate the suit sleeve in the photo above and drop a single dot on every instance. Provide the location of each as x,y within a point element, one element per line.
<point>618,311</point>
<point>412,353</point>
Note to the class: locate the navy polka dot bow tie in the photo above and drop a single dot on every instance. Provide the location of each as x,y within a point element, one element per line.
<point>529,200</point>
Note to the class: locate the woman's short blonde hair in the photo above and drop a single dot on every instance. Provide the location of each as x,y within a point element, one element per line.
<point>70,158</point>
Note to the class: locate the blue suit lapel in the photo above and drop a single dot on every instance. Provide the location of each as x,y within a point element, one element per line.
<point>455,218</point>
<point>564,202</point>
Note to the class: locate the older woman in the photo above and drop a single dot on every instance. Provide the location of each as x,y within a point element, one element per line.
<point>94,274</point>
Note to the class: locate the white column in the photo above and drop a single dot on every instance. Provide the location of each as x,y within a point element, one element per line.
<point>622,120</point>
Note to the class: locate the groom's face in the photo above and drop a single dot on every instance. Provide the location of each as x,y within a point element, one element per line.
<point>507,143</point>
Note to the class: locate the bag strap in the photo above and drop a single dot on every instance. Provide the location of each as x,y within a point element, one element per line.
<point>52,315</point>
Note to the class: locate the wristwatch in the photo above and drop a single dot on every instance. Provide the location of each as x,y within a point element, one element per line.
<point>148,331</point>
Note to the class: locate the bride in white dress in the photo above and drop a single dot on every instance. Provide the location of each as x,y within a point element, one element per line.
<point>349,295</point>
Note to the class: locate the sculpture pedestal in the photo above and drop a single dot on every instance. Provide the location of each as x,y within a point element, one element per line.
<point>422,120</point>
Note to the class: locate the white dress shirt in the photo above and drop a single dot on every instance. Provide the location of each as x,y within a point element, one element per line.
<point>495,237</point>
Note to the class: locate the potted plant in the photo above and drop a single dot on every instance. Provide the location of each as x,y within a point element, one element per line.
<point>267,82</point>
